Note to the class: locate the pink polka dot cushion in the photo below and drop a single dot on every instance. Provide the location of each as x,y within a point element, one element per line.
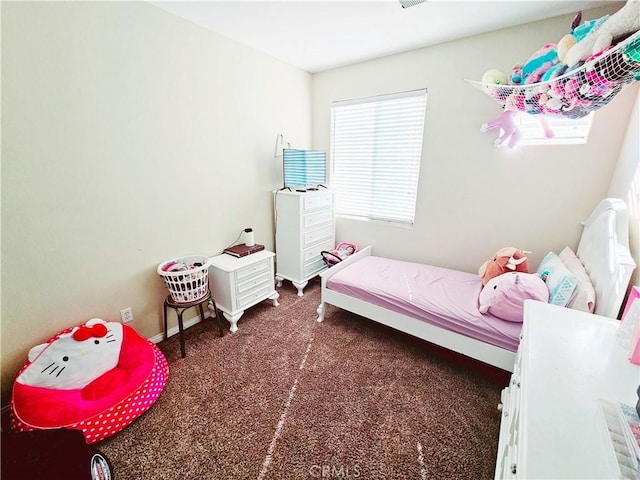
<point>97,378</point>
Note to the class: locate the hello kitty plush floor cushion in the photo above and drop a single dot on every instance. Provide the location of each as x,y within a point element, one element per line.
<point>97,378</point>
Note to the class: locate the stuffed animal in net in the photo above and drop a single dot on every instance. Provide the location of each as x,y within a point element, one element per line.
<point>495,77</point>
<point>602,35</point>
<point>507,259</point>
<point>509,132</point>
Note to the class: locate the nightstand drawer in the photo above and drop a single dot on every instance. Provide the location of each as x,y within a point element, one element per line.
<point>316,202</point>
<point>253,283</point>
<point>252,270</point>
<point>254,296</point>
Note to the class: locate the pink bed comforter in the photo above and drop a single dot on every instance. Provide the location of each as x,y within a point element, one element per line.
<point>440,296</point>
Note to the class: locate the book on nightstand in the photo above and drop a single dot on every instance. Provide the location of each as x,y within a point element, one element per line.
<point>242,250</point>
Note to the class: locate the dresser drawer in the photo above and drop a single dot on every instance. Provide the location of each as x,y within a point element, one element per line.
<point>315,266</point>
<point>314,219</point>
<point>252,270</point>
<point>315,202</point>
<point>319,235</point>
<point>313,252</point>
<point>254,283</point>
<point>254,296</point>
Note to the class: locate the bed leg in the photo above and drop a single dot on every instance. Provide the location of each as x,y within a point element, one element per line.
<point>320,311</point>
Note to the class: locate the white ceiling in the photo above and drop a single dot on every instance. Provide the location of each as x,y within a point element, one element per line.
<point>320,35</point>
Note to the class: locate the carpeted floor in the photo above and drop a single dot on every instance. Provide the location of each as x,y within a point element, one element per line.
<point>286,397</point>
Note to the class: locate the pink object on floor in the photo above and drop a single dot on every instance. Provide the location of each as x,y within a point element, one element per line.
<point>89,378</point>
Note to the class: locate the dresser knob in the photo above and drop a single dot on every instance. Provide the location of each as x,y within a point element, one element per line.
<point>513,468</point>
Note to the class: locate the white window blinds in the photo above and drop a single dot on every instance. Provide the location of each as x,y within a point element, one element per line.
<point>376,147</point>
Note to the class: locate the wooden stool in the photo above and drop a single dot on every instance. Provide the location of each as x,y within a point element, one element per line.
<point>180,307</point>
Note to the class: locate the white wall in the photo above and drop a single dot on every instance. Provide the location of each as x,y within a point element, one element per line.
<point>130,136</point>
<point>473,198</point>
<point>625,183</point>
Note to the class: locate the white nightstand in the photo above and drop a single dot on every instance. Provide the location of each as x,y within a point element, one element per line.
<point>239,283</point>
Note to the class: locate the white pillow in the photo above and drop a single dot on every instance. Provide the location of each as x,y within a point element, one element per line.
<point>560,281</point>
<point>584,298</point>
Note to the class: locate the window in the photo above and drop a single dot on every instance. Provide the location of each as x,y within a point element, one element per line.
<point>376,146</point>
<point>564,130</point>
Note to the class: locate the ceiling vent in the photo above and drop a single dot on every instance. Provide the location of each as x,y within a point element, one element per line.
<point>410,3</point>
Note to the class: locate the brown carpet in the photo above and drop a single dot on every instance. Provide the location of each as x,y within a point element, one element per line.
<point>286,397</point>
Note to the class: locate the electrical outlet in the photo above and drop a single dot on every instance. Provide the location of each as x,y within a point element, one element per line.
<point>126,314</point>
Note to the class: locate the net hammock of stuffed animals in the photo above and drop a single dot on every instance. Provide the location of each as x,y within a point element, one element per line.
<point>578,92</point>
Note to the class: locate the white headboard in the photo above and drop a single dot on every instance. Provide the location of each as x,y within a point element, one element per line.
<point>604,252</point>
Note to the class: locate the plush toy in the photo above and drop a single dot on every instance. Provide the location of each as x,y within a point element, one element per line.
<point>538,64</point>
<point>97,377</point>
<point>504,295</point>
<point>553,72</point>
<point>603,34</point>
<point>546,63</point>
<point>543,63</point>
<point>507,259</point>
<point>564,45</point>
<point>555,95</point>
<point>516,74</point>
<point>75,360</point>
<point>582,30</point>
<point>509,132</point>
<point>496,77</point>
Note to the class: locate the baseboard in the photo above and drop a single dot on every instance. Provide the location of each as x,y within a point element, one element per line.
<point>173,330</point>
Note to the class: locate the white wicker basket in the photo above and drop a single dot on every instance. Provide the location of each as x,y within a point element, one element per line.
<point>189,284</point>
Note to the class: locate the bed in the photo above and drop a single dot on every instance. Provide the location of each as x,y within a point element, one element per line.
<point>440,305</point>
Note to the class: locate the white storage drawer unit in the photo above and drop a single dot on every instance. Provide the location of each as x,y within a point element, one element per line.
<point>305,226</point>
<point>239,283</point>
<point>551,426</point>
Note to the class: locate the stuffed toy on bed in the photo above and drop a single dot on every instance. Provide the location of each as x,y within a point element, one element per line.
<point>507,259</point>
<point>97,378</point>
<point>504,296</point>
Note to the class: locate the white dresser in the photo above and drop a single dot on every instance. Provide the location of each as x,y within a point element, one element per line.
<point>551,425</point>
<point>239,283</point>
<point>305,226</point>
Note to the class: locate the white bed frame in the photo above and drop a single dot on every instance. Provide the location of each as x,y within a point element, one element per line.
<point>603,249</point>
